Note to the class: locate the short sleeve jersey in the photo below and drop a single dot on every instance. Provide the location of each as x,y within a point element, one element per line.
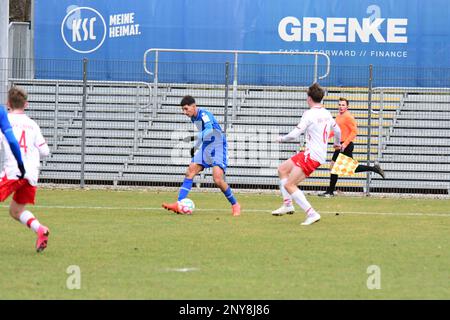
<point>29,136</point>
<point>316,123</point>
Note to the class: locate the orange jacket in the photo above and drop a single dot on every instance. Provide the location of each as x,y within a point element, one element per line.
<point>349,129</point>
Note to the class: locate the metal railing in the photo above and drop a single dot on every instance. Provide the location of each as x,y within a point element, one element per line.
<point>86,86</point>
<point>124,145</point>
<point>236,54</point>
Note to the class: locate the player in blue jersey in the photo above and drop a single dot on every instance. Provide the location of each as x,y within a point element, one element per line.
<point>12,141</point>
<point>209,151</point>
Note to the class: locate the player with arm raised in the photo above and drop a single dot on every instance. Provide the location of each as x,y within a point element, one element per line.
<point>316,123</point>
<point>32,147</point>
<point>209,151</point>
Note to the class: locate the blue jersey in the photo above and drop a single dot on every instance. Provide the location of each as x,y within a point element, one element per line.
<point>208,127</point>
<point>213,151</point>
<point>204,120</point>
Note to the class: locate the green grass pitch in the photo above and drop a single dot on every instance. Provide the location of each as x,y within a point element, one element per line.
<point>127,247</point>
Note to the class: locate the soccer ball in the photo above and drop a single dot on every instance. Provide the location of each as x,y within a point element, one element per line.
<point>186,206</point>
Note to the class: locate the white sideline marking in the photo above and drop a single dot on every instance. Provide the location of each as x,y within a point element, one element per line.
<point>245,210</point>
<point>391,213</point>
<point>181,269</point>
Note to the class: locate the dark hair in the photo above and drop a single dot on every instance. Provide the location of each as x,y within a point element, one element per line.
<point>187,100</point>
<point>17,98</point>
<point>316,92</point>
<point>343,99</point>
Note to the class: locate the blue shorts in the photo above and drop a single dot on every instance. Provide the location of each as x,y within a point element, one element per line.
<point>212,154</point>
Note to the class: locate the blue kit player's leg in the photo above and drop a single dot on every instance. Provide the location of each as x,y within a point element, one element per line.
<point>191,172</point>
<point>195,167</point>
<point>185,188</point>
<point>229,195</point>
<point>219,169</point>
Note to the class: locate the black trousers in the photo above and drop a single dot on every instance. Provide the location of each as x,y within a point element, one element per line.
<point>360,168</point>
<point>334,177</point>
<point>347,151</point>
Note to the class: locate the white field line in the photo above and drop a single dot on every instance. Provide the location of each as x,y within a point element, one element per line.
<point>181,269</point>
<point>128,209</point>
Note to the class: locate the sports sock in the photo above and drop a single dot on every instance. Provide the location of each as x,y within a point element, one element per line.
<point>300,198</point>
<point>333,181</point>
<point>185,188</point>
<point>287,199</point>
<point>229,194</point>
<point>363,168</point>
<point>28,219</point>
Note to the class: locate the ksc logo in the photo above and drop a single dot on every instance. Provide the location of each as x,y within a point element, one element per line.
<point>83,29</point>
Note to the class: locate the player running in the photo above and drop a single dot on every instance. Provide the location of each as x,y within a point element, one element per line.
<point>32,146</point>
<point>209,151</point>
<point>316,123</point>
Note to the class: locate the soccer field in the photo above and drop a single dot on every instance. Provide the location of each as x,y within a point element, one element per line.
<point>127,247</point>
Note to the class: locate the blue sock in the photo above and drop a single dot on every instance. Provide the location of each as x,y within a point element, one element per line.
<point>229,194</point>
<point>185,188</point>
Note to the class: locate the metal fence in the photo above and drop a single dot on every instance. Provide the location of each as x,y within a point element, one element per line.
<point>130,132</point>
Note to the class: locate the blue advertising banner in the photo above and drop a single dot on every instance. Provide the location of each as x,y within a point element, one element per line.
<point>384,33</point>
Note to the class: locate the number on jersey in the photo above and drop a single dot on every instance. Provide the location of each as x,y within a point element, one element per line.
<point>23,141</point>
<point>325,134</point>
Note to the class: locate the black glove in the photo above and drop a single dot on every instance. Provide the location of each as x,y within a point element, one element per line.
<point>22,171</point>
<point>192,151</point>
